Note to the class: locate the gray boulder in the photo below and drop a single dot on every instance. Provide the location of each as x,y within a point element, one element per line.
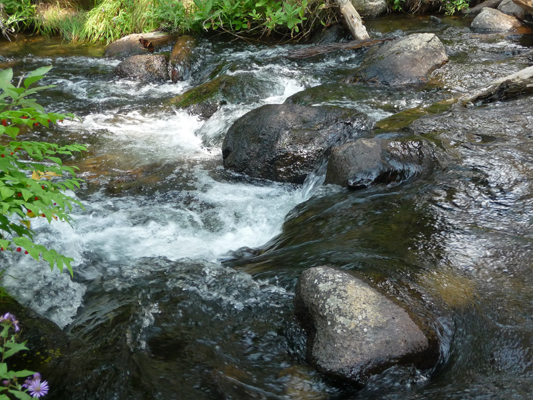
<point>491,20</point>
<point>368,161</point>
<point>130,45</point>
<point>510,8</point>
<point>370,8</point>
<point>181,58</point>
<point>354,331</point>
<point>146,68</point>
<point>408,60</point>
<point>285,142</point>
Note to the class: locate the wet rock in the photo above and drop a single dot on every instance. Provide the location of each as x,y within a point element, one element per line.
<point>204,100</point>
<point>181,59</point>
<point>146,68</point>
<point>511,86</point>
<point>408,60</point>
<point>130,45</point>
<point>285,142</point>
<point>302,383</point>
<point>369,161</point>
<point>370,8</point>
<point>353,331</point>
<point>490,20</point>
<point>332,34</point>
<point>510,8</point>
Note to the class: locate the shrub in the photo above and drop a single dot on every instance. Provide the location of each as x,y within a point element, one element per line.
<point>33,178</point>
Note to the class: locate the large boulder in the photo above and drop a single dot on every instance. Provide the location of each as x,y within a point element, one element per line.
<point>133,44</point>
<point>181,58</point>
<point>491,20</point>
<point>408,60</point>
<point>285,142</point>
<point>368,161</point>
<point>146,68</point>
<point>353,330</point>
<point>370,8</point>
<point>510,8</point>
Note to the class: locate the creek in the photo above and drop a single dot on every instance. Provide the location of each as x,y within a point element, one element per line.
<point>184,272</point>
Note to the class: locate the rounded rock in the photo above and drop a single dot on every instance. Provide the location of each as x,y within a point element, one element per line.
<point>491,20</point>
<point>354,331</point>
<point>408,60</point>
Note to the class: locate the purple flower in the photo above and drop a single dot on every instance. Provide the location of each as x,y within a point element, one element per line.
<point>38,388</point>
<point>10,318</point>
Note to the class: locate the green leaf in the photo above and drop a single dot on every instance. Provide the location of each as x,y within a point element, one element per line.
<point>6,192</point>
<point>6,75</point>
<point>40,71</point>
<point>26,194</point>
<point>14,348</point>
<point>29,81</point>
<point>20,395</point>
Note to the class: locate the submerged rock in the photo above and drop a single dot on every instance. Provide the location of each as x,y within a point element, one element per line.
<point>204,100</point>
<point>285,142</point>
<point>181,59</point>
<point>408,60</point>
<point>368,161</point>
<point>491,20</point>
<point>131,45</point>
<point>353,331</point>
<point>146,68</point>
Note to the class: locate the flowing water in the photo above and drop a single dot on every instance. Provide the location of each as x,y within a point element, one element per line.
<point>184,272</point>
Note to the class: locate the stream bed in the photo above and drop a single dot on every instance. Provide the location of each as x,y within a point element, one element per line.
<point>184,272</point>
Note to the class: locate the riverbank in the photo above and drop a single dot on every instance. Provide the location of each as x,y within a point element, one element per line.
<point>108,20</point>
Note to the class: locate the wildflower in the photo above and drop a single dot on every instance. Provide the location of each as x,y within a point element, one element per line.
<point>38,388</point>
<point>6,382</point>
<point>11,319</point>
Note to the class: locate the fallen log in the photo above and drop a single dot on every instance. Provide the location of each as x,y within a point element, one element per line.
<point>353,20</point>
<point>328,48</point>
<point>512,86</point>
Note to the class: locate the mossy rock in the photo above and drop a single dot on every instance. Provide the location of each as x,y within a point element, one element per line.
<point>205,99</point>
<point>403,119</point>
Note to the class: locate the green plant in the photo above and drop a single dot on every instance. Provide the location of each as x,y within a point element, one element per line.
<point>9,379</point>
<point>452,6</point>
<point>15,15</point>
<point>112,19</point>
<point>64,19</point>
<point>171,15</point>
<point>415,6</point>
<point>32,175</point>
<point>259,16</point>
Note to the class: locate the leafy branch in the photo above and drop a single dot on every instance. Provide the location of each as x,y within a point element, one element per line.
<point>33,179</point>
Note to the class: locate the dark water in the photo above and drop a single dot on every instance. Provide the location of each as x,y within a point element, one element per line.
<point>184,272</point>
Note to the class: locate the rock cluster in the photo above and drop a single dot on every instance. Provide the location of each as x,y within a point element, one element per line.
<point>139,62</point>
